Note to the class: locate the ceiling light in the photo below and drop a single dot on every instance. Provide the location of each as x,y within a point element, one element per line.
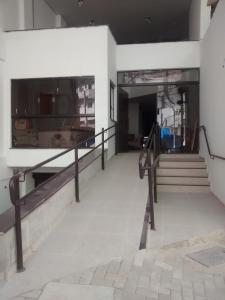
<point>148,20</point>
<point>80,3</point>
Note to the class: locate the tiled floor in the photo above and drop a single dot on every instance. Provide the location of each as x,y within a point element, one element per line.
<point>181,216</point>
<point>72,292</point>
<point>106,224</point>
<point>165,273</point>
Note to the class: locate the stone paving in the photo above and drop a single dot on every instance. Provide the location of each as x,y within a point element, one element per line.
<point>165,273</point>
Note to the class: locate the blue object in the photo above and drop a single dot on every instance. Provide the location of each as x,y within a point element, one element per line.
<point>165,132</point>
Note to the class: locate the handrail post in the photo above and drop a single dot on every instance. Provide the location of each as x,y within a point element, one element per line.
<point>76,178</point>
<point>154,170</point>
<point>103,149</point>
<point>155,185</point>
<point>18,228</point>
<point>207,142</point>
<point>151,201</point>
<point>158,139</point>
<point>116,137</point>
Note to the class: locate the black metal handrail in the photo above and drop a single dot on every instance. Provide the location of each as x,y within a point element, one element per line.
<point>148,161</point>
<point>212,155</point>
<point>146,147</point>
<point>14,187</point>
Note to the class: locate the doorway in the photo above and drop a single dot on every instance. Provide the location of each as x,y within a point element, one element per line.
<point>168,97</point>
<point>137,112</point>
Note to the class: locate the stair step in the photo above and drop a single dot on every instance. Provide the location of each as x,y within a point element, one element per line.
<point>182,188</point>
<point>182,172</point>
<point>182,164</point>
<point>200,181</point>
<point>179,155</point>
<point>181,159</point>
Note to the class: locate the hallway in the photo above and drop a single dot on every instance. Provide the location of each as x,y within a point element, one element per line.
<point>105,225</point>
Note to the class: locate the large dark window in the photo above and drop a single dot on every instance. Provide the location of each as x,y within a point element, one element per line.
<point>53,112</point>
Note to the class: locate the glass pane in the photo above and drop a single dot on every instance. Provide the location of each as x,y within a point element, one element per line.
<point>158,76</point>
<point>91,122</point>
<point>52,113</point>
<point>52,132</point>
<point>5,202</point>
<point>112,101</point>
<point>178,115</point>
<point>86,96</point>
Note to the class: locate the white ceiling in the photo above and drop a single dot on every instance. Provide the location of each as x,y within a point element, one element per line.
<point>138,91</point>
<point>126,18</point>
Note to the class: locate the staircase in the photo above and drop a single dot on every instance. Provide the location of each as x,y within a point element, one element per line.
<point>182,173</point>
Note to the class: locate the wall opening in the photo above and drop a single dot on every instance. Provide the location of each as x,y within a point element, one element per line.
<point>168,97</point>
<point>39,178</point>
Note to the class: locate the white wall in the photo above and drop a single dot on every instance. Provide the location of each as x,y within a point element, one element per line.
<point>13,14</point>
<point>81,52</point>
<point>5,174</point>
<point>158,56</point>
<point>199,19</point>
<point>1,74</point>
<point>28,14</point>
<point>205,18</point>
<point>27,186</point>
<point>112,75</point>
<point>212,99</point>
<point>44,17</point>
<point>18,15</point>
<point>1,13</point>
<point>194,20</point>
<point>60,21</point>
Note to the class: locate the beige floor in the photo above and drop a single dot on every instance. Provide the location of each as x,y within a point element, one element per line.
<point>106,224</point>
<point>166,273</point>
<point>181,216</point>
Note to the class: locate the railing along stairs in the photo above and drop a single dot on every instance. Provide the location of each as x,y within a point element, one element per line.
<point>148,161</point>
<point>211,155</point>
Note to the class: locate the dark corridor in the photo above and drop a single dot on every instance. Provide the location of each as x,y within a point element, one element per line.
<point>136,117</point>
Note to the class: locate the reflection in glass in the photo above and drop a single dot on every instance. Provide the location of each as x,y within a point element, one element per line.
<point>52,113</point>
<point>52,132</point>
<point>158,76</point>
<point>177,116</point>
<point>86,96</point>
<point>112,100</point>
